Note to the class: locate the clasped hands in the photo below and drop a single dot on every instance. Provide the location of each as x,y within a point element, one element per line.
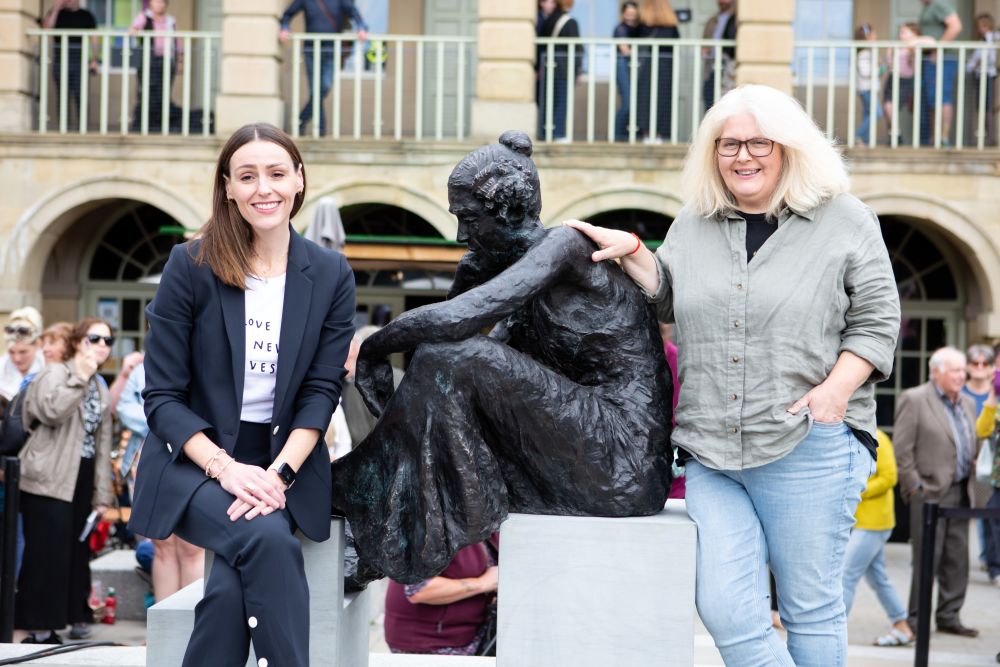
<point>258,492</point>
<point>373,378</point>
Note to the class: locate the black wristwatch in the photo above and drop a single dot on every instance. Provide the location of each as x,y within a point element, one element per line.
<point>286,473</point>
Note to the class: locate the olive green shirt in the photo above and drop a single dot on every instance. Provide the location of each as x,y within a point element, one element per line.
<point>754,337</point>
<point>932,18</point>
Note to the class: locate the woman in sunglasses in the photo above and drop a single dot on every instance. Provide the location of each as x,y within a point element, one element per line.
<point>785,315</point>
<point>24,352</point>
<point>65,474</point>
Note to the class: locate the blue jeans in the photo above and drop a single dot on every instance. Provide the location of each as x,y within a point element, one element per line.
<point>325,83</point>
<point>866,556</point>
<point>623,82</point>
<point>866,114</point>
<point>928,90</point>
<point>795,514</point>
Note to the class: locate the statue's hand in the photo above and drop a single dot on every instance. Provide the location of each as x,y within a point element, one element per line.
<point>373,378</point>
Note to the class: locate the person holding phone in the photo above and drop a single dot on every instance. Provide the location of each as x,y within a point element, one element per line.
<point>65,475</point>
<point>245,354</point>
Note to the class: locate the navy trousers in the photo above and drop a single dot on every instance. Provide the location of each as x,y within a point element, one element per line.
<point>256,590</point>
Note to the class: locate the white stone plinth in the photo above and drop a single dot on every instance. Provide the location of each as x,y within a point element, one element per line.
<point>338,623</point>
<point>590,591</point>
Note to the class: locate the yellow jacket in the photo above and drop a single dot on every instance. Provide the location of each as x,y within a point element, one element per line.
<point>876,510</point>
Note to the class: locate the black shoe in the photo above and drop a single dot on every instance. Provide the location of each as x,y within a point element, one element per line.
<point>957,628</point>
<point>52,638</point>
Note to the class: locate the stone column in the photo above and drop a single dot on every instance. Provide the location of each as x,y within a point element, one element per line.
<point>764,43</point>
<point>251,63</point>
<point>505,73</point>
<point>16,70</point>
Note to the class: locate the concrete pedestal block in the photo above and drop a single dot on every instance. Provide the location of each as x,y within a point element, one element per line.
<point>338,623</point>
<point>590,591</point>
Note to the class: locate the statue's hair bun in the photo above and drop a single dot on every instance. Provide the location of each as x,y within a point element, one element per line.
<point>517,141</point>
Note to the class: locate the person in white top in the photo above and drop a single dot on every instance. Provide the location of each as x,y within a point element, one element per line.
<point>24,350</point>
<point>869,84</point>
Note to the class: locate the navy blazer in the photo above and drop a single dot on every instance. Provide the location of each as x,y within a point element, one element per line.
<point>194,366</point>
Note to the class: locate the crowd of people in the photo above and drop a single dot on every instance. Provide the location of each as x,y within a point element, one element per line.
<point>879,77</point>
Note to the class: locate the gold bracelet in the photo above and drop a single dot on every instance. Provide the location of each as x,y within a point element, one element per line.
<point>208,466</point>
<point>223,468</point>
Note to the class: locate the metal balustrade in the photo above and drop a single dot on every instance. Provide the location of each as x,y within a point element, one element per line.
<point>666,84</point>
<point>389,86</point>
<point>903,111</point>
<point>126,75</point>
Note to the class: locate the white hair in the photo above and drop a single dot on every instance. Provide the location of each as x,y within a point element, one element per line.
<point>812,170</point>
<point>942,354</point>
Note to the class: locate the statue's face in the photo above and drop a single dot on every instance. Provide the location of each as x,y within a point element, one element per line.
<point>477,228</point>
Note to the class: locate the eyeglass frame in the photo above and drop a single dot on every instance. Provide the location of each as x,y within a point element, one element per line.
<point>94,339</point>
<point>745,142</point>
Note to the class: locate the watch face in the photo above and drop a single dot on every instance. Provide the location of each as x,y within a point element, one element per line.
<point>286,474</point>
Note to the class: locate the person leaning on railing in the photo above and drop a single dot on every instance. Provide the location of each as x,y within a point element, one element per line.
<point>155,18</point>
<point>68,15</point>
<point>986,427</point>
<point>322,16</point>
<point>940,21</point>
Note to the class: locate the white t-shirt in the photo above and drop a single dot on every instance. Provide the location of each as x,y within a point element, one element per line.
<point>264,299</point>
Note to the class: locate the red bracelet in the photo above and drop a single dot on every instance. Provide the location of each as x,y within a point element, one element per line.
<point>638,243</point>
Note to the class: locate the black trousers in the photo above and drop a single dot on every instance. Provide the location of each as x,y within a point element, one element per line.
<point>256,590</point>
<point>54,584</point>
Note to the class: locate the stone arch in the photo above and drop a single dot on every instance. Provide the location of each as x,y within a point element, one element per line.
<point>616,197</point>
<point>40,227</point>
<point>978,251</point>
<point>384,192</point>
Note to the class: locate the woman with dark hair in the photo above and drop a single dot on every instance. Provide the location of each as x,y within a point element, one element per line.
<point>65,474</point>
<point>234,460</point>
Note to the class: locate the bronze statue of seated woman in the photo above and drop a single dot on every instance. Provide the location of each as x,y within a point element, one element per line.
<point>563,409</point>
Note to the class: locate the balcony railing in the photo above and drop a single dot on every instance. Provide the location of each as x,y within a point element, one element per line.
<point>841,84</point>
<point>122,81</point>
<point>398,86</point>
<point>588,91</point>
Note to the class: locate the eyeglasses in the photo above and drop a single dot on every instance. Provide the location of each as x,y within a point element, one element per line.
<point>757,146</point>
<point>95,339</point>
<point>20,332</point>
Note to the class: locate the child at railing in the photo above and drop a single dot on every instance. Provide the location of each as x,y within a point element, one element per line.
<point>868,85</point>
<point>909,34</point>
<point>984,60</point>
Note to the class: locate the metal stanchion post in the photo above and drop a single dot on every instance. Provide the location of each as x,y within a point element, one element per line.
<point>12,492</point>
<point>928,534</point>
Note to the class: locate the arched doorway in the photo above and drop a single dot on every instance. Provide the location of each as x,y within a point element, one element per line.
<point>397,282</point>
<point>108,264</point>
<point>931,279</point>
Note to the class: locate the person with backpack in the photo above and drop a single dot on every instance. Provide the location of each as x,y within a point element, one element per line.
<point>65,475</point>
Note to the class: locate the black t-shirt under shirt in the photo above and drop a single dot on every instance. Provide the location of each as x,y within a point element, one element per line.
<point>759,230</point>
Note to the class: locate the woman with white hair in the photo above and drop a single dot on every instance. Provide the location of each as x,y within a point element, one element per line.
<point>24,350</point>
<point>785,314</point>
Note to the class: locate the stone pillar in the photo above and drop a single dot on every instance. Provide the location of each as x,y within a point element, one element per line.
<point>764,43</point>
<point>251,65</point>
<point>505,73</point>
<point>16,67</point>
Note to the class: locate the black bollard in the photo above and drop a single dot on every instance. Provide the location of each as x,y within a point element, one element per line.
<point>8,557</point>
<point>922,652</point>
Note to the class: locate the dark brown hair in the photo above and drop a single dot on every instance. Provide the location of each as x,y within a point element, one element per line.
<point>227,239</point>
<point>80,331</point>
<point>60,331</point>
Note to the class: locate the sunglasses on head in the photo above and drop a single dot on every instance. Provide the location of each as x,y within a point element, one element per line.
<point>20,332</point>
<point>96,338</point>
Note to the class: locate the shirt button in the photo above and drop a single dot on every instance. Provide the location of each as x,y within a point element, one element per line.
<point>736,324</point>
<point>735,359</point>
<point>275,431</point>
<point>739,285</point>
<point>252,622</point>
<point>734,397</point>
<point>735,429</point>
